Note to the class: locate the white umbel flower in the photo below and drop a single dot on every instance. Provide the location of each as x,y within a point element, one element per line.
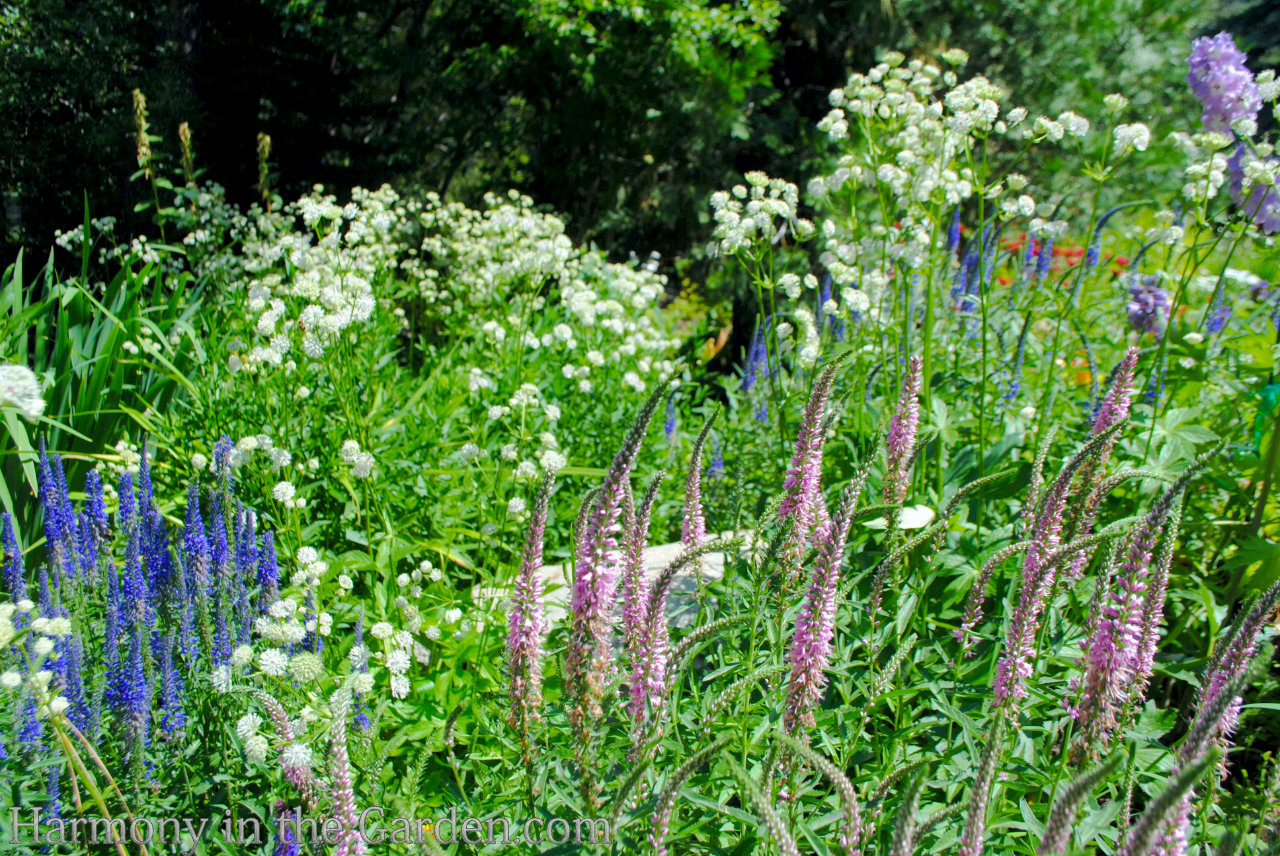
<point>21,390</point>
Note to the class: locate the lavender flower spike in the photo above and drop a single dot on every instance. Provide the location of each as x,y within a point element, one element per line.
<point>804,478</point>
<point>693,528</point>
<point>350,841</point>
<point>589,660</point>
<point>1114,407</point>
<point>1217,714</point>
<point>527,627</point>
<point>975,821</point>
<point>637,637</point>
<point>900,443</point>
<point>1038,576</point>
<point>810,650</point>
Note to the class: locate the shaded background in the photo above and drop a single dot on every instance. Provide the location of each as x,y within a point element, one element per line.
<point>621,118</point>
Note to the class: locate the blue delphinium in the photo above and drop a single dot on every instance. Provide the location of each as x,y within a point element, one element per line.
<point>953,232</point>
<point>1222,82</point>
<point>1262,205</point>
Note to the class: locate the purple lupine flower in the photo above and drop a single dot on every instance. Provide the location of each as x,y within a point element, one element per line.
<point>15,582</point>
<point>900,442</point>
<point>810,650</point>
<point>1222,82</point>
<point>953,232</point>
<point>669,425</point>
<point>527,627</point>
<point>1148,307</point>
<point>588,662</point>
<point>803,481</point>
<point>350,841</point>
<point>1263,202</point>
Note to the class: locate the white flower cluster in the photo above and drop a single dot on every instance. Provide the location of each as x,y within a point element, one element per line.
<point>361,462</point>
<point>21,390</point>
<point>762,209</point>
<point>304,287</point>
<point>46,632</point>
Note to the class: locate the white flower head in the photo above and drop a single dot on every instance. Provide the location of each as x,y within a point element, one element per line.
<point>21,390</point>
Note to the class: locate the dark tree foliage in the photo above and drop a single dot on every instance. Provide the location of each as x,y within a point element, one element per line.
<point>622,117</point>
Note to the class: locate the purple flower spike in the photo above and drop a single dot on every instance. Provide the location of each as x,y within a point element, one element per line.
<point>803,481</point>
<point>644,642</point>
<point>526,628</point>
<point>1114,408</point>
<point>900,444</point>
<point>589,661</point>
<point>1222,82</point>
<point>693,526</point>
<point>810,651</point>
<point>350,841</point>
